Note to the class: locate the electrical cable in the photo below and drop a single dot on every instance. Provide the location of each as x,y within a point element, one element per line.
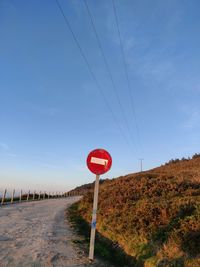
<point>91,71</point>
<point>126,72</point>
<point>108,70</point>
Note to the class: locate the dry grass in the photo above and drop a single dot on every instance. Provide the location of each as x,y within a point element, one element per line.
<point>154,216</point>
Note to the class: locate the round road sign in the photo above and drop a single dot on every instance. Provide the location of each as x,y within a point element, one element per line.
<point>99,161</point>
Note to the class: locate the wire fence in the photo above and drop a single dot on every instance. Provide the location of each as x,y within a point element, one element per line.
<point>14,196</point>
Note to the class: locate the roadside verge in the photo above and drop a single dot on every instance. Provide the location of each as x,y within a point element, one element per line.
<point>104,248</point>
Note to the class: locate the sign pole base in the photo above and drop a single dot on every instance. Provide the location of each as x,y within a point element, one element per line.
<point>94,218</point>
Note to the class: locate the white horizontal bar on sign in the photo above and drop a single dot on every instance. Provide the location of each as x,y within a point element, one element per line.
<point>99,161</point>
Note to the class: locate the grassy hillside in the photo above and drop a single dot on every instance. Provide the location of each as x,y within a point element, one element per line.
<point>154,216</point>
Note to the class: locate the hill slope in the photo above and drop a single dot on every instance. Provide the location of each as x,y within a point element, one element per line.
<point>154,216</point>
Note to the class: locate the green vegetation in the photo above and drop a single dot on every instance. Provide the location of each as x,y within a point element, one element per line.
<point>154,216</point>
<point>104,248</point>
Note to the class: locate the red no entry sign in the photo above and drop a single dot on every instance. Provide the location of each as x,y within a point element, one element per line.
<point>99,161</point>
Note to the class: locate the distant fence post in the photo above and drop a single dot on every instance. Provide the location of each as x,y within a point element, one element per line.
<point>40,195</point>
<point>34,195</point>
<point>3,197</point>
<point>12,198</point>
<point>28,195</point>
<point>20,196</point>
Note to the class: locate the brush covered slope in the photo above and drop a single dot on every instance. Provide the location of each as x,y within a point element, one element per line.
<point>153,216</point>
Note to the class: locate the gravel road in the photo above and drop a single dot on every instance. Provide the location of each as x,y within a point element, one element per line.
<point>38,234</point>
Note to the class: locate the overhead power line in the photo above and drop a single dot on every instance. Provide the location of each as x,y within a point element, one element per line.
<point>108,69</point>
<point>126,71</point>
<point>90,70</point>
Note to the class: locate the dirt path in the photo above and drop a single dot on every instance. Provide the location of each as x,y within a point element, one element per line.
<point>37,234</point>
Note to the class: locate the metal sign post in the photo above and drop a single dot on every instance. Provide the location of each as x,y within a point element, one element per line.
<point>99,162</point>
<point>94,218</point>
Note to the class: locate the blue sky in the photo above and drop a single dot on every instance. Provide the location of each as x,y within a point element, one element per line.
<point>51,112</point>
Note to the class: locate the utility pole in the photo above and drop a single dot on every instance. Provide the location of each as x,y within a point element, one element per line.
<point>141,164</point>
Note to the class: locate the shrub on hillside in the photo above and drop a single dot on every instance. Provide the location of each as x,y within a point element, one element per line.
<point>154,216</point>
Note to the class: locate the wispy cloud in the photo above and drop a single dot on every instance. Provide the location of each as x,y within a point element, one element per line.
<point>129,43</point>
<point>13,155</point>
<point>191,116</point>
<point>151,57</point>
<point>8,151</point>
<point>193,120</point>
<point>49,165</point>
<point>78,167</point>
<point>4,146</point>
<point>48,111</point>
<point>155,69</point>
<point>89,88</point>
